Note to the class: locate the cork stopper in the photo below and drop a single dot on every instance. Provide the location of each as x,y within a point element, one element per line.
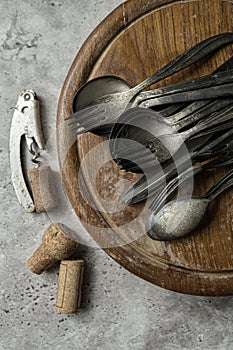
<point>69,286</point>
<point>41,181</point>
<point>55,246</point>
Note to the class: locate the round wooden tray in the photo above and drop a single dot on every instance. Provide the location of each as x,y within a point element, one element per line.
<point>132,42</point>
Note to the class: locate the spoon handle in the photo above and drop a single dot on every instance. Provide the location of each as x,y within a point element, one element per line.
<point>188,110</point>
<point>212,145</point>
<point>214,78</point>
<point>212,92</point>
<point>213,120</point>
<point>218,108</point>
<point>198,105</point>
<point>214,129</point>
<point>149,186</point>
<point>208,109</point>
<point>170,188</point>
<point>219,121</point>
<point>187,58</point>
<point>222,185</point>
<point>169,94</point>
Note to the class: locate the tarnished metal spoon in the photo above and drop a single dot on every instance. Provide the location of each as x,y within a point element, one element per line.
<point>104,110</point>
<point>180,217</point>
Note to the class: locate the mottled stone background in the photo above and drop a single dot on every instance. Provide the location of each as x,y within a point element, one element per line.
<point>38,41</point>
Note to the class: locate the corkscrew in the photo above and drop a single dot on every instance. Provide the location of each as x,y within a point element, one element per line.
<point>26,124</point>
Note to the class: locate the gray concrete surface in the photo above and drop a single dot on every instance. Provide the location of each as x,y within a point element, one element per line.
<point>38,41</point>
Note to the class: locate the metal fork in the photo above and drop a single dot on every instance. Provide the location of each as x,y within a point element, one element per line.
<point>206,87</point>
<point>101,113</point>
<point>143,155</point>
<point>162,196</point>
<point>221,146</point>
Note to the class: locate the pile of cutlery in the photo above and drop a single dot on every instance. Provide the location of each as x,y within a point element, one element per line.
<point>168,134</point>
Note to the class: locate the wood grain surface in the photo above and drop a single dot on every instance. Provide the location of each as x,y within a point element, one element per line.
<point>132,42</point>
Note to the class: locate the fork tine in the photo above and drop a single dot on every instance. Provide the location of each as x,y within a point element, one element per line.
<point>137,150</point>
<point>85,128</point>
<point>141,186</point>
<point>137,163</point>
<point>80,132</point>
<point>138,158</point>
<point>135,159</point>
<point>158,200</point>
<point>134,155</point>
<point>145,165</point>
<point>162,195</point>
<point>133,168</point>
<point>74,122</point>
<point>138,169</point>
<point>99,118</point>
<point>83,112</point>
<point>87,118</point>
<point>142,189</point>
<point>102,130</point>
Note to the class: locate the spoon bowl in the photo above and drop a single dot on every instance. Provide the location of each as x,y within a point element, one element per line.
<point>98,87</point>
<point>176,218</point>
<point>95,89</point>
<point>133,127</point>
<point>179,217</point>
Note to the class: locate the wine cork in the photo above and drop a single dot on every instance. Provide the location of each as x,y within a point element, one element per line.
<point>55,246</point>
<point>41,181</point>
<point>69,286</point>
